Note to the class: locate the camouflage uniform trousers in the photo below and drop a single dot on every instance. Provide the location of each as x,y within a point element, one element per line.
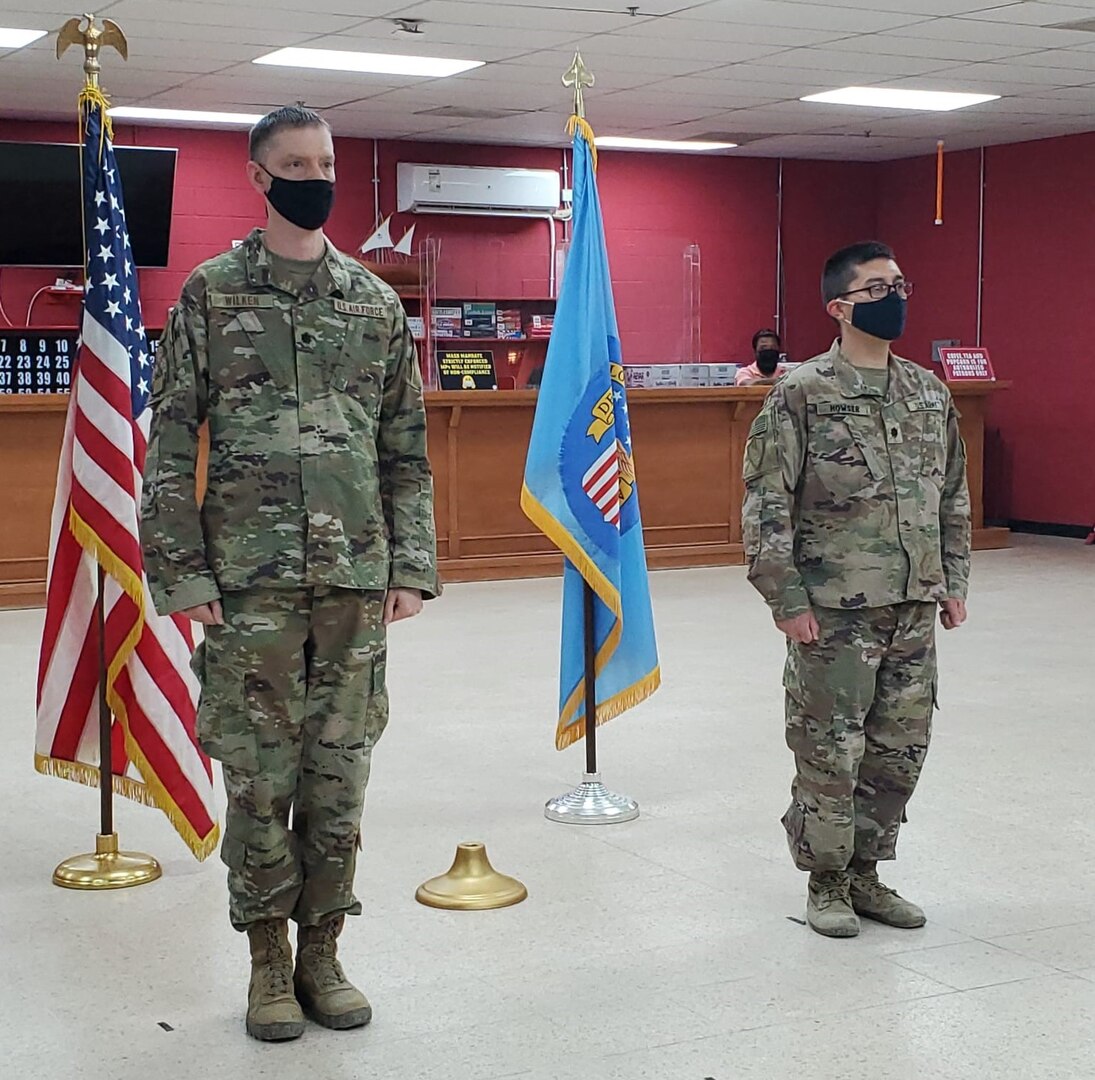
<point>293,701</point>
<point>859,711</point>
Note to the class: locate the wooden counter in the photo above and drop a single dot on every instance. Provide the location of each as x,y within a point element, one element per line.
<point>688,447</point>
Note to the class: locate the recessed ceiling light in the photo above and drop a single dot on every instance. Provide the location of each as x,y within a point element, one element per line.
<point>623,142</point>
<point>194,116</point>
<point>10,38</point>
<point>430,67</point>
<point>886,97</point>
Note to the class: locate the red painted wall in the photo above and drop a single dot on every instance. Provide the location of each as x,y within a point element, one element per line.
<point>1039,256</point>
<point>1038,320</point>
<point>826,205</point>
<point>654,208</point>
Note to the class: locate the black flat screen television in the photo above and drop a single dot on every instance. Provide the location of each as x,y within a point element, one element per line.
<point>40,221</point>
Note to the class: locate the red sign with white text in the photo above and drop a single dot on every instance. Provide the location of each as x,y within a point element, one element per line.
<point>971,363</point>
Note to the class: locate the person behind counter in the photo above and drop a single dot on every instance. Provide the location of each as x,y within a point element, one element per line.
<point>765,368</point>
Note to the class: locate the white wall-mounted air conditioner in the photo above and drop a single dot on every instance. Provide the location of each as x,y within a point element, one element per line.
<point>464,189</point>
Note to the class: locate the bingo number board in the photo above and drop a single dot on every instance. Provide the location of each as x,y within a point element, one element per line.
<point>41,361</point>
<point>36,361</point>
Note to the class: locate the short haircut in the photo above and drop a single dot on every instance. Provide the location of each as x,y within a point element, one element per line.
<point>288,116</point>
<point>841,267</point>
<point>765,333</point>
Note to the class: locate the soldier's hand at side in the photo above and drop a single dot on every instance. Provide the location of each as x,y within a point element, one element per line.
<point>802,628</point>
<point>208,614</point>
<point>401,604</point>
<point>952,613</point>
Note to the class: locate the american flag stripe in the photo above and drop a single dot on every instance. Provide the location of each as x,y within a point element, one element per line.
<point>150,688</point>
<point>602,484</point>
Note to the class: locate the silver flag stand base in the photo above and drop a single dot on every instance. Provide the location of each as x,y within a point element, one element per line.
<point>591,803</point>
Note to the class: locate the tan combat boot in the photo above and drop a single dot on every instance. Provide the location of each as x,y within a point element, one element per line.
<point>829,905</point>
<point>328,997</point>
<point>873,900</point>
<point>273,1013</point>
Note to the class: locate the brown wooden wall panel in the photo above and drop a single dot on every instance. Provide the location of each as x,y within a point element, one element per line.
<point>688,445</point>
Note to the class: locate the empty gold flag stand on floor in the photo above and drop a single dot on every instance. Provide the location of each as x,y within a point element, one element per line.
<point>471,884</point>
<point>106,867</point>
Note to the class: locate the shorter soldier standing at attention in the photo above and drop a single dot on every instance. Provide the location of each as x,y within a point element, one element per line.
<point>315,534</point>
<point>857,528</point>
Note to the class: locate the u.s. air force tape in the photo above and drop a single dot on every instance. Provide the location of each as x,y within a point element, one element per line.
<point>370,311</point>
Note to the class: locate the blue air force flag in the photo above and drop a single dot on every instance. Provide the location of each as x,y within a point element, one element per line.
<point>580,488</point>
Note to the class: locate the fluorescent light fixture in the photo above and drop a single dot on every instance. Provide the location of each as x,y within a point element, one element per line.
<point>623,142</point>
<point>430,67</point>
<point>182,116</point>
<point>888,97</point>
<point>10,38</point>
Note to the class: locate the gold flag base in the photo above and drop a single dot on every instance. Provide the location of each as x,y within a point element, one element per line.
<point>108,868</point>
<point>471,884</point>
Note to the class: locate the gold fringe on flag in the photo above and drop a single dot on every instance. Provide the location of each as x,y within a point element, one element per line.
<point>580,125</point>
<point>568,730</point>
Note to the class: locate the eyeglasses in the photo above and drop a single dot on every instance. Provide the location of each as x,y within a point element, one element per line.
<point>880,290</point>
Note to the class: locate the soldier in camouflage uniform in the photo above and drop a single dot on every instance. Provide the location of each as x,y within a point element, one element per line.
<point>857,527</point>
<point>316,531</point>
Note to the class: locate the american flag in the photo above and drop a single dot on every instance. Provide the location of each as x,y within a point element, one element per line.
<point>150,687</point>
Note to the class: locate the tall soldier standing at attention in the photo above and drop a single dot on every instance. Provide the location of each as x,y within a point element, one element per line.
<point>857,527</point>
<point>316,532</point>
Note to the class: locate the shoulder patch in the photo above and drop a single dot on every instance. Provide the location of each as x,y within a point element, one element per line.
<point>760,425</point>
<point>241,300</point>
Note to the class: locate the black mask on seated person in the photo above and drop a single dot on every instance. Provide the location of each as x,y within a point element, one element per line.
<point>768,361</point>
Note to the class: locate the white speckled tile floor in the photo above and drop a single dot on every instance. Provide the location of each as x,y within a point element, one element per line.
<point>658,950</point>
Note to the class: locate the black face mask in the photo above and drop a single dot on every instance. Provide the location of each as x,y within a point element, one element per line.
<point>304,203</point>
<point>767,361</point>
<point>883,318</point>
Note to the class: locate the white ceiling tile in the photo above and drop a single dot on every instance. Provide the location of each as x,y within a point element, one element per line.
<point>713,94</point>
<point>1081,59</point>
<point>1022,73</point>
<point>415,46</point>
<point>799,16</point>
<point>911,7</point>
<point>607,67</point>
<point>1028,13</point>
<point>730,65</point>
<point>646,48</point>
<point>995,33</point>
<point>208,16</point>
<point>697,29</point>
<point>441,38</point>
<point>526,18</point>
<point>845,63</point>
<point>942,49</point>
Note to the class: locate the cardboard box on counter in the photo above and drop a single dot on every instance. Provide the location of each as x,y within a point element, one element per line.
<point>639,376</point>
<point>694,375</point>
<point>665,375</point>
<point>722,374</point>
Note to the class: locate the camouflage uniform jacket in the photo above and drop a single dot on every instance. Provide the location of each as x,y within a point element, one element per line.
<point>854,499</point>
<point>317,468</point>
